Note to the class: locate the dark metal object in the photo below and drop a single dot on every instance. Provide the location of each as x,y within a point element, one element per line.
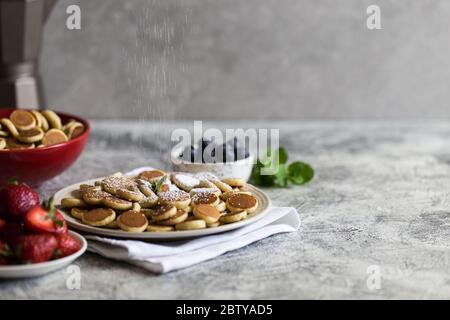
<point>21,26</point>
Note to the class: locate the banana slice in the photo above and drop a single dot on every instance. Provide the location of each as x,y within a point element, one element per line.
<point>235,182</point>
<point>54,136</point>
<point>191,225</point>
<point>53,119</point>
<point>233,217</point>
<point>99,217</point>
<point>242,202</point>
<point>132,221</point>
<point>31,136</point>
<point>73,203</point>
<point>158,228</point>
<point>78,213</point>
<point>23,120</point>
<point>9,126</point>
<point>180,217</point>
<point>206,212</point>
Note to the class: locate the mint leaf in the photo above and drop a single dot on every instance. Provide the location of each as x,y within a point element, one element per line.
<point>300,173</point>
<point>282,155</point>
<point>281,178</point>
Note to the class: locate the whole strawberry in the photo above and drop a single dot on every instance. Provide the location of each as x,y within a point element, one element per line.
<point>16,199</point>
<point>36,248</point>
<point>5,254</point>
<point>67,245</point>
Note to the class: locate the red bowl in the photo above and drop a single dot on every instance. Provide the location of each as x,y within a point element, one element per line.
<point>35,166</point>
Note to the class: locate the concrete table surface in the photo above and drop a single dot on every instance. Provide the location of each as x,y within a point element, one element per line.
<point>380,202</point>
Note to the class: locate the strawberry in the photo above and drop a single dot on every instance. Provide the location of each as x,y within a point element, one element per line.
<point>10,233</point>
<point>67,245</point>
<point>16,199</point>
<point>36,248</point>
<point>42,221</point>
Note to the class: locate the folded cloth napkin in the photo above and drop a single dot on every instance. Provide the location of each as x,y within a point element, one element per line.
<point>165,257</point>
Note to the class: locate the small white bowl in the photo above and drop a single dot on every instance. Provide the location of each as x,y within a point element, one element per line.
<point>40,269</point>
<point>236,169</point>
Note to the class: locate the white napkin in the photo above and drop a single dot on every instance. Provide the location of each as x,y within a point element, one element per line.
<point>162,258</point>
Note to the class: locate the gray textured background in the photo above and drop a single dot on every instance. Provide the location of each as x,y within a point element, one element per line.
<point>203,59</point>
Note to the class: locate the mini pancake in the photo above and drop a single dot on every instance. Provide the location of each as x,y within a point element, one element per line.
<point>13,144</point>
<point>178,198</point>
<point>235,182</point>
<point>206,212</point>
<point>185,182</point>
<point>214,190</point>
<point>240,202</point>
<point>148,202</point>
<point>4,134</point>
<point>113,225</point>
<point>222,186</point>
<point>31,136</point>
<point>93,196</point>
<point>227,195</point>
<point>53,137</point>
<point>163,212</point>
<point>145,188</point>
<point>99,217</point>
<point>213,225</point>
<point>73,203</point>
<point>75,130</point>
<point>78,213</point>
<point>130,195</point>
<point>221,206</point>
<point>152,175</point>
<point>112,183</point>
<point>158,228</point>
<point>9,126</point>
<point>117,204</point>
<point>136,207</point>
<point>132,221</point>
<point>233,217</point>
<point>205,198</point>
<point>180,217</point>
<point>208,184</point>
<point>23,120</point>
<point>53,119</point>
<point>41,121</point>
<point>2,143</point>
<point>191,225</point>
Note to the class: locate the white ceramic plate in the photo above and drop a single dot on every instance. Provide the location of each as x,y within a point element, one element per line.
<point>40,269</point>
<point>263,200</point>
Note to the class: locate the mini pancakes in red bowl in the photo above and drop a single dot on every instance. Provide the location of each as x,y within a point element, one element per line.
<point>38,145</point>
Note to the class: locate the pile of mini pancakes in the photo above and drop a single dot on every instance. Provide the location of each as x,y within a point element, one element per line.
<point>156,201</point>
<point>36,129</point>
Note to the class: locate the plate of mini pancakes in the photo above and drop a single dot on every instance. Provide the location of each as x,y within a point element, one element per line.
<point>156,205</point>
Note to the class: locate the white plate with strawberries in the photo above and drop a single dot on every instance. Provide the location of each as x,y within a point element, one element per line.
<point>34,240</point>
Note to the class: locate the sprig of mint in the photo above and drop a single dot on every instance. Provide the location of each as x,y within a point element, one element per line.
<point>298,173</point>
